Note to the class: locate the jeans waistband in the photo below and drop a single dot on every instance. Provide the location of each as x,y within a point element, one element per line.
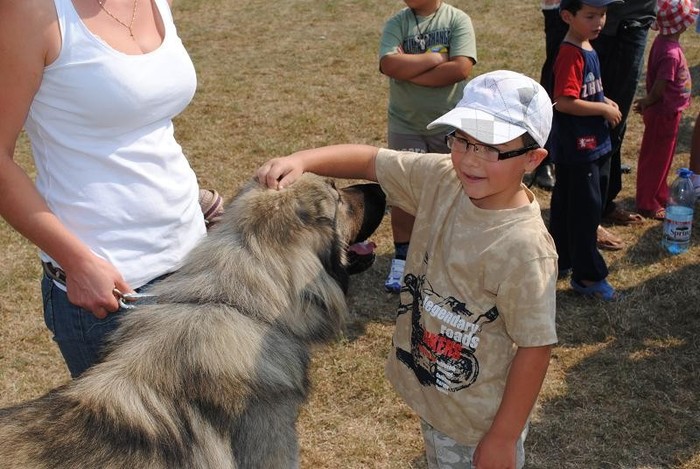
<point>57,274</point>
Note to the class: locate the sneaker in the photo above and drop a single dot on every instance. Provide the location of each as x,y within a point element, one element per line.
<point>393,280</point>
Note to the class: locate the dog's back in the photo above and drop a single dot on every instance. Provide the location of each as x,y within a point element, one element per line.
<point>214,374</point>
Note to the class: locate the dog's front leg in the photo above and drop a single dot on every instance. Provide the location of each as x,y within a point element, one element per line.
<point>265,435</point>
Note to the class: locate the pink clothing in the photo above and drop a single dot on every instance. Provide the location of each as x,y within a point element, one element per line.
<point>667,62</point>
<point>661,120</point>
<point>655,158</point>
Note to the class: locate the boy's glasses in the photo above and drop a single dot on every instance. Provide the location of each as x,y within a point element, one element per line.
<point>483,151</point>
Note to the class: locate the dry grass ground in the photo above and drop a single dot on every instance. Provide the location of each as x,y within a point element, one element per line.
<point>274,77</point>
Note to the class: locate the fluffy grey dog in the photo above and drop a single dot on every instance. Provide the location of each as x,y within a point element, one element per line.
<point>214,373</point>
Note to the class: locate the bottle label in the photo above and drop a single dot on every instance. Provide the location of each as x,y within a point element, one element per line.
<point>678,223</point>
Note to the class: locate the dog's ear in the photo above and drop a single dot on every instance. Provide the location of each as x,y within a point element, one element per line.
<point>371,201</point>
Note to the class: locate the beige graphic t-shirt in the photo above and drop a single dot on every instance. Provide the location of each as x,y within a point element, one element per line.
<point>477,285</point>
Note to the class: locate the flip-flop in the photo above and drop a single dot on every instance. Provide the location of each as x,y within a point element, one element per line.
<point>608,241</point>
<point>601,290</point>
<point>620,216</point>
<point>658,214</point>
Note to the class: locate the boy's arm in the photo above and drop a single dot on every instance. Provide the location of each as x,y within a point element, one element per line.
<point>581,107</point>
<point>523,384</point>
<point>445,74</point>
<point>401,66</point>
<point>341,161</point>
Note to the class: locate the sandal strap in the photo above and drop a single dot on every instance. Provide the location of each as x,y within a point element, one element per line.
<point>601,290</point>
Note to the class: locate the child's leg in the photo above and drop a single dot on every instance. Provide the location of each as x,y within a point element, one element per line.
<point>673,124</point>
<point>443,452</point>
<point>558,225</point>
<point>655,159</point>
<point>583,214</point>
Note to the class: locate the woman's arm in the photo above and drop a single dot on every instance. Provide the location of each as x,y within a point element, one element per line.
<point>27,44</point>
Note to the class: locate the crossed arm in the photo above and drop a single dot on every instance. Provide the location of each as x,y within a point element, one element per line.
<point>432,69</point>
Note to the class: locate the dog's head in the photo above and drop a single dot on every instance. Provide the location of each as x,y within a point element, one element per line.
<point>299,236</point>
<point>311,213</point>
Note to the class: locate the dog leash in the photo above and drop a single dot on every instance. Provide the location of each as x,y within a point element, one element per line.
<point>125,300</point>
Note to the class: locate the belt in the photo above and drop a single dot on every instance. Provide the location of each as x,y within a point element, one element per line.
<point>54,273</point>
<point>126,300</point>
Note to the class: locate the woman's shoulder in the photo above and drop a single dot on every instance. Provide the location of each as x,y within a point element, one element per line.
<point>28,10</point>
<point>38,16</point>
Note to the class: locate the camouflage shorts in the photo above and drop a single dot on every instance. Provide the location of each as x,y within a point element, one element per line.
<point>443,452</point>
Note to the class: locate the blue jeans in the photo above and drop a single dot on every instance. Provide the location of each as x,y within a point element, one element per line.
<point>78,333</point>
<point>621,60</point>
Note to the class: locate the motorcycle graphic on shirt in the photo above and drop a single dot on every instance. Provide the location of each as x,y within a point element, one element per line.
<point>442,358</point>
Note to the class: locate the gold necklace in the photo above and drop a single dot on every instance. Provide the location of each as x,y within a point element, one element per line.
<point>127,26</point>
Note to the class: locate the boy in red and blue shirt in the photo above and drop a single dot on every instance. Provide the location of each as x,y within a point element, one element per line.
<point>581,149</point>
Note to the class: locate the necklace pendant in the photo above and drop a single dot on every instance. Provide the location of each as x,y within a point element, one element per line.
<point>420,39</point>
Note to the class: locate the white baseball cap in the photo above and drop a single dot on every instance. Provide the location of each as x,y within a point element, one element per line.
<point>499,106</point>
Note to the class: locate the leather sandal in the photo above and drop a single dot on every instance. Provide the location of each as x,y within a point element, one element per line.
<point>658,214</point>
<point>608,241</point>
<point>600,290</point>
<point>620,216</point>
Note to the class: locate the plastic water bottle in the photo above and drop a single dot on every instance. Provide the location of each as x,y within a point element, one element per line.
<point>679,214</point>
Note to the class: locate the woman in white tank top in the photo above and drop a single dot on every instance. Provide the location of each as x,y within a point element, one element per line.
<point>96,84</point>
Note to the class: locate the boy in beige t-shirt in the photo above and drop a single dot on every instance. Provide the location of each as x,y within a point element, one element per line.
<point>476,322</point>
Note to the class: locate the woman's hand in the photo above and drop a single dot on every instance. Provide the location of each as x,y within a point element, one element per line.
<point>90,285</point>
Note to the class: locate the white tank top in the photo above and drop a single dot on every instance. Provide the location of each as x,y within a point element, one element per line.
<point>107,161</point>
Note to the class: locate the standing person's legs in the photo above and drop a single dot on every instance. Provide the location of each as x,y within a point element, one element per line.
<point>80,335</point>
<point>655,159</point>
<point>584,212</point>
<point>402,222</point>
<point>558,214</point>
<point>621,60</point>
<point>554,31</point>
<point>694,163</point>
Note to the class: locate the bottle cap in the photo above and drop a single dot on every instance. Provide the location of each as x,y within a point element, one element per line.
<point>684,173</point>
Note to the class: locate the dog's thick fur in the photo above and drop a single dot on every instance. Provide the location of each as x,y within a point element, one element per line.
<point>213,375</point>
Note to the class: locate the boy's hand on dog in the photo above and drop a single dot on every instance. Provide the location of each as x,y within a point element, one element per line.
<point>278,173</point>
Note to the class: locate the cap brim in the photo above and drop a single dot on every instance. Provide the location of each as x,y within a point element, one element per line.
<point>481,125</point>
